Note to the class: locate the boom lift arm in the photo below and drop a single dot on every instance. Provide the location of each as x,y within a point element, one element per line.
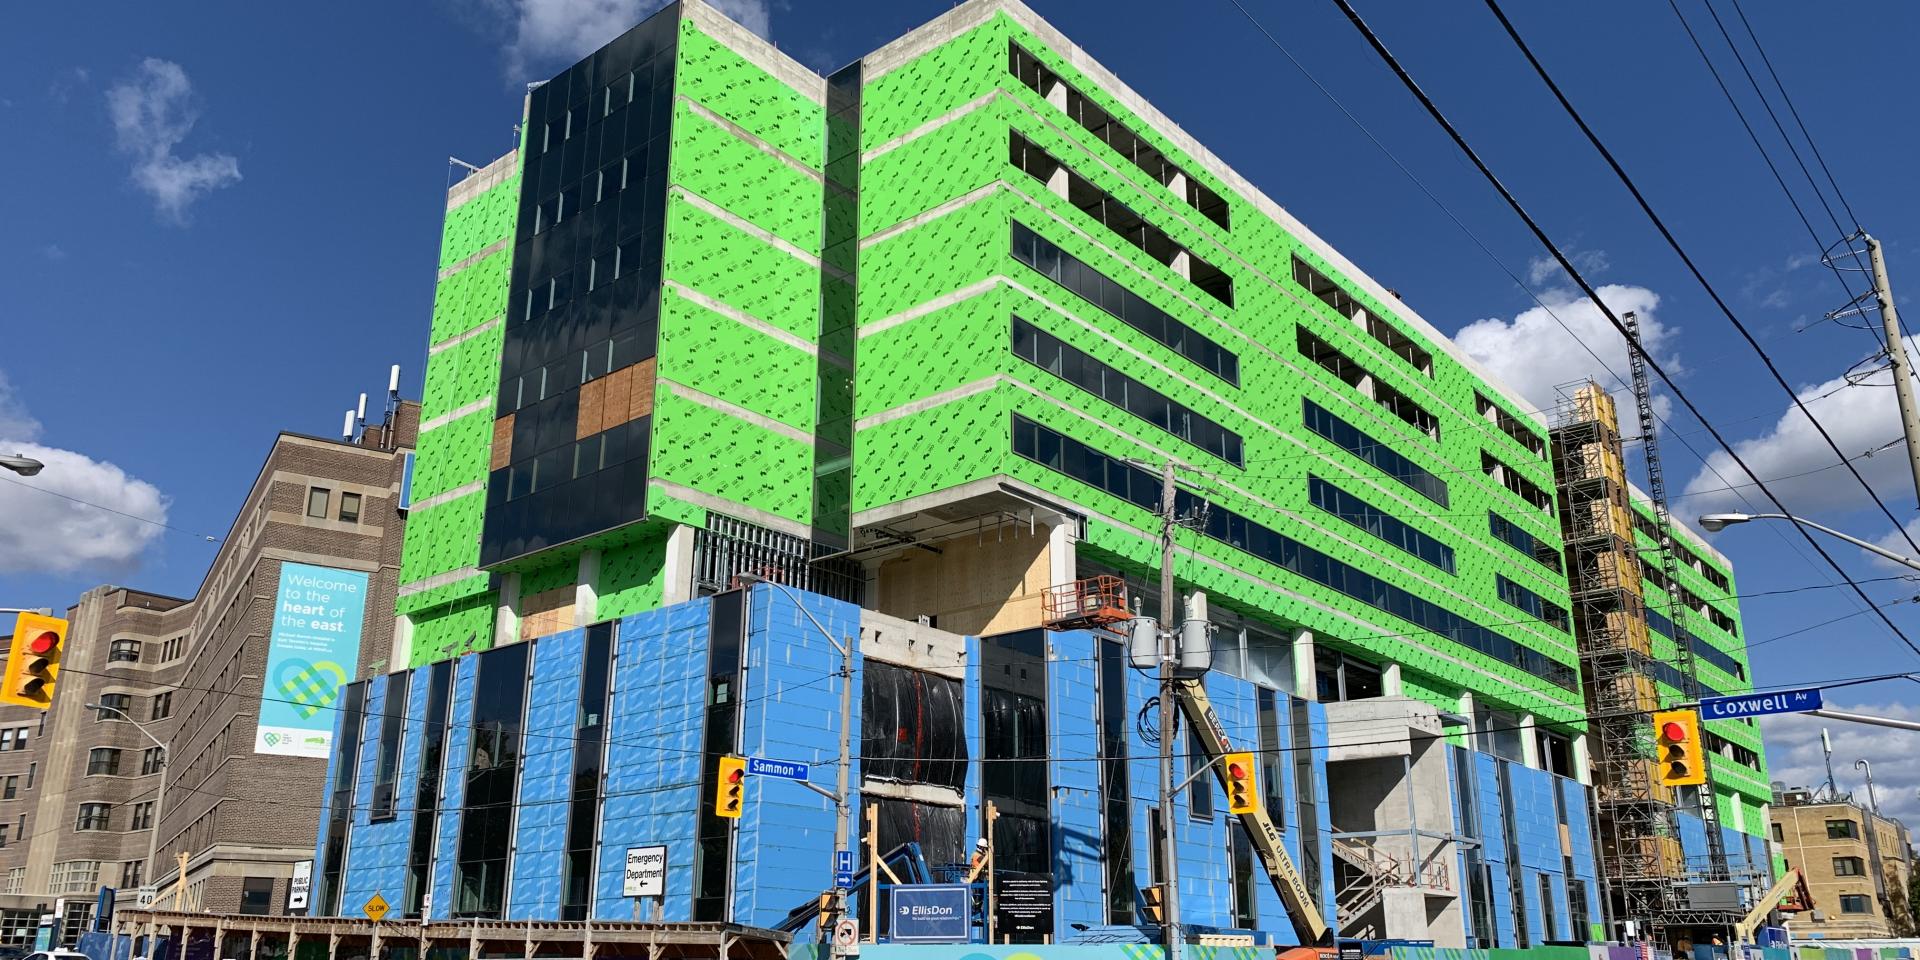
<point>1743,931</point>
<point>1308,924</point>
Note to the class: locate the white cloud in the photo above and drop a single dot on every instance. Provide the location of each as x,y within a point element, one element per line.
<point>1532,353</point>
<point>41,532</point>
<point>152,112</point>
<point>1795,758</point>
<point>1545,271</point>
<point>1799,466</point>
<point>549,35</point>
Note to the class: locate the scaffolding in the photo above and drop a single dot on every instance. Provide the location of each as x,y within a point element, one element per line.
<point>1640,855</point>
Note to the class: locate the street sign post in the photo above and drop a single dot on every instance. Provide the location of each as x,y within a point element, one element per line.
<point>931,913</point>
<point>1759,704</point>
<point>843,869</point>
<point>646,874</point>
<point>298,891</point>
<point>846,937</point>
<point>782,769</point>
<point>376,908</point>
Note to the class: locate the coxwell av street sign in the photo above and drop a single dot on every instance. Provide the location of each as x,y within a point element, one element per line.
<point>1760,704</point>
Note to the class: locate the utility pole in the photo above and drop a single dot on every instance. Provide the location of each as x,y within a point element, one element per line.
<point>1169,623</point>
<point>1897,356</point>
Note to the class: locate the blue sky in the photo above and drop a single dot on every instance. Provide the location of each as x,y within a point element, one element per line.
<point>225,222</point>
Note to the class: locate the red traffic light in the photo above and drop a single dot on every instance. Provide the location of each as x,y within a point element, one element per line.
<point>736,775</point>
<point>1674,731</point>
<point>1236,771</point>
<point>43,644</point>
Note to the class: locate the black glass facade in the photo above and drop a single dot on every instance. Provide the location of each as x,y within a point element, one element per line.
<point>493,770</point>
<point>1015,775</point>
<point>839,271</point>
<point>353,715</point>
<point>1116,788</point>
<point>589,757</point>
<point>726,639</point>
<point>426,804</point>
<point>584,299</point>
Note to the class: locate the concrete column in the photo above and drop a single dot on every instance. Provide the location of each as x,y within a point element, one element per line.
<point>1466,710</point>
<point>402,643</point>
<point>1057,94</point>
<point>1303,667</point>
<point>1582,760</point>
<point>506,619</point>
<point>1529,742</point>
<point>1390,681</point>
<point>1057,182</point>
<point>586,591</point>
<point>1062,563</point>
<point>676,576</point>
<point>1183,264</point>
<point>1179,185</point>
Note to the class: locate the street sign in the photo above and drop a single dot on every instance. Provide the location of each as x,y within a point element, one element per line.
<point>843,879</point>
<point>1759,704</point>
<point>843,868</point>
<point>145,896</point>
<point>298,890</point>
<point>646,874</point>
<point>783,769</point>
<point>376,908</point>
<point>1023,907</point>
<point>846,937</point>
<point>931,913</point>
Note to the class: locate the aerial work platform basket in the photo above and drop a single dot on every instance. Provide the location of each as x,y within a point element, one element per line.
<point>1090,604</point>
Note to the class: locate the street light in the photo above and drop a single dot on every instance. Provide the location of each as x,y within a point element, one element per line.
<point>159,792</point>
<point>1716,522</point>
<point>843,809</point>
<point>24,466</point>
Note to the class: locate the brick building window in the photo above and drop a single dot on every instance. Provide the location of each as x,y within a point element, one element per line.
<point>3,834</point>
<point>93,816</point>
<point>142,816</point>
<point>1842,830</point>
<point>116,705</point>
<point>256,895</point>
<point>350,507</point>
<point>1779,836</point>
<point>151,760</point>
<point>317,498</point>
<point>131,873</point>
<point>1855,903</point>
<point>10,788</point>
<point>75,876</point>
<point>103,760</point>
<point>161,706</point>
<point>124,651</point>
<point>1849,867</point>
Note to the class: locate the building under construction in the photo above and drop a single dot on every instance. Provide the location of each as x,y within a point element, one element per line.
<point>1646,609</point>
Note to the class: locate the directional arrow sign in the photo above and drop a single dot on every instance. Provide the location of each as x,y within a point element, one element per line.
<point>1759,704</point>
<point>783,769</point>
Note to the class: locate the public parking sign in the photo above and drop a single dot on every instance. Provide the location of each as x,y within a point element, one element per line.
<point>931,913</point>
<point>1759,704</point>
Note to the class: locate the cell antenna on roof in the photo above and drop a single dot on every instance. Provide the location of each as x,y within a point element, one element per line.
<point>346,427</point>
<point>393,382</point>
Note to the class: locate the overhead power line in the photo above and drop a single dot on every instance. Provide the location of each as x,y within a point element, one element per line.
<point>1580,280</point>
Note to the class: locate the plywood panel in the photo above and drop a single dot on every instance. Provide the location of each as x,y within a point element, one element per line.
<point>502,442</point>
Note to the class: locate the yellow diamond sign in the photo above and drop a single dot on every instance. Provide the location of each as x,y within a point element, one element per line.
<point>376,908</point>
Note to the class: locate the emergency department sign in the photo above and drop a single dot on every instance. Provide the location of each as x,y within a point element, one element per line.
<point>314,649</point>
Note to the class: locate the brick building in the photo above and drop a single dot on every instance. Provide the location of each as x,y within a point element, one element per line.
<point>1856,863</point>
<point>80,788</point>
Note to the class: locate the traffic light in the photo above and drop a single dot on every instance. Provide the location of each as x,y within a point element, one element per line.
<point>1152,905</point>
<point>730,789</point>
<point>1678,750</point>
<point>1243,795</point>
<point>34,661</point>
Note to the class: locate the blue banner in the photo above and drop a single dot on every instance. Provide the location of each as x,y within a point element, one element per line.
<point>318,613</point>
<point>931,913</point>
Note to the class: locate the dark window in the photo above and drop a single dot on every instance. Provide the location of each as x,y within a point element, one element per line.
<point>1855,903</point>
<point>1273,794</point>
<point>1521,432</point>
<point>1116,792</point>
<point>1118,136</point>
<point>1520,486</point>
<point>1367,383</point>
<point>142,816</point>
<point>493,771</point>
<point>152,760</point>
<point>1352,439</point>
<point>1246,910</point>
<point>1119,218</point>
<point>1063,360</point>
<point>726,637</point>
<point>1200,793</point>
<point>131,871</point>
<point>386,764</point>
<point>93,816</point>
<point>124,651</point>
<point>353,701</point>
<point>1509,533</point>
<point>911,726</point>
<point>103,760</point>
<point>1849,867</point>
<point>1549,917</point>
<point>589,750</point>
<point>1122,304</point>
<point>1778,835</point>
<point>1340,677</point>
<point>1577,916</point>
<point>1074,459</point>
<point>317,502</point>
<point>1014,771</point>
<point>350,507</point>
<point>426,805</point>
<point>161,706</point>
<point>256,895</point>
<point>1379,523</point>
<point>10,788</point>
<point>1349,308</point>
<point>1556,753</point>
<point>1521,598</point>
